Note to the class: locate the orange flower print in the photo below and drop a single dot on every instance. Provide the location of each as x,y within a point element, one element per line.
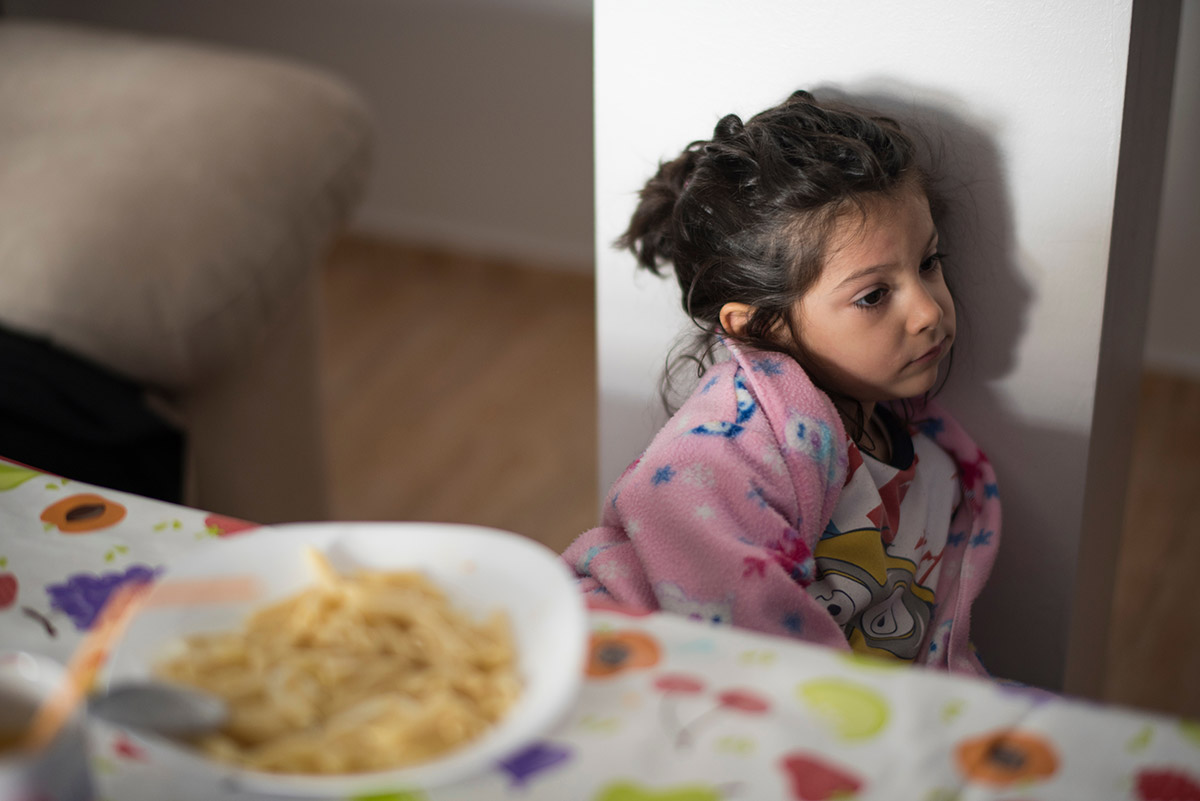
<point>1006,757</point>
<point>84,512</point>
<point>612,652</point>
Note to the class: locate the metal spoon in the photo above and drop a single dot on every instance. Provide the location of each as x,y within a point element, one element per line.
<point>170,710</point>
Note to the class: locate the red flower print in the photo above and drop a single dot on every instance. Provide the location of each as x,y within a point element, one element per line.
<point>128,749</point>
<point>1166,784</point>
<point>754,566</point>
<point>679,683</point>
<point>223,526</point>
<point>744,701</point>
<point>792,554</point>
<point>971,472</point>
<point>8,590</point>
<point>855,461</point>
<point>814,778</point>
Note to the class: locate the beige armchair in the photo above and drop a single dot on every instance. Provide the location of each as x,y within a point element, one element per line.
<point>164,209</point>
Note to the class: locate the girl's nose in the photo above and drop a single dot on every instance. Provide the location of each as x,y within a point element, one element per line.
<point>925,311</point>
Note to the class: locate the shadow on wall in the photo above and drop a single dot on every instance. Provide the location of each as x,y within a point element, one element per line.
<point>993,298</point>
<point>975,220</point>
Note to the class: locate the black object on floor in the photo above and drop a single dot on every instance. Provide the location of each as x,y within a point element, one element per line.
<point>65,415</point>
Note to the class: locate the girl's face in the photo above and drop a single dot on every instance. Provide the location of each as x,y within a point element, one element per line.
<point>879,319</point>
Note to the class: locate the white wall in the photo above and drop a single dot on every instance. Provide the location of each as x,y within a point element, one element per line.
<point>483,107</point>
<point>1173,334</point>
<point>1029,97</point>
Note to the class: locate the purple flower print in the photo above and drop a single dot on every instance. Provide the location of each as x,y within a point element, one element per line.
<point>533,760</point>
<point>82,596</point>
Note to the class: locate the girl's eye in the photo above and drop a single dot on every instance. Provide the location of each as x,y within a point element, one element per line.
<point>871,299</point>
<point>933,262</point>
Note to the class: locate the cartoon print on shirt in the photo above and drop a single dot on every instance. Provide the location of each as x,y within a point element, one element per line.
<point>675,600</point>
<point>891,495</point>
<point>873,596</point>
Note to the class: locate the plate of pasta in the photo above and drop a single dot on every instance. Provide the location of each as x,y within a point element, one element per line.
<point>361,659</point>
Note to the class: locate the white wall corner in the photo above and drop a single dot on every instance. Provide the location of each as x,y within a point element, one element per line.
<point>1173,329</point>
<point>1154,32</point>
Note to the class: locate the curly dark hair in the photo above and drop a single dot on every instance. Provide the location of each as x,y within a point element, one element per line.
<point>746,216</point>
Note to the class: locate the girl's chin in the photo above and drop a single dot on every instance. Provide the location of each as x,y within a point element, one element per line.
<point>917,385</point>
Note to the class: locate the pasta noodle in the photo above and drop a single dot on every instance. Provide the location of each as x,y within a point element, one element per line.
<point>366,672</point>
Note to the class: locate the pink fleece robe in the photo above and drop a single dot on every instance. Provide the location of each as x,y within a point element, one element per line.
<point>719,517</point>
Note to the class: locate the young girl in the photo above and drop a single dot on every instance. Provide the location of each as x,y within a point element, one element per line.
<point>808,487</point>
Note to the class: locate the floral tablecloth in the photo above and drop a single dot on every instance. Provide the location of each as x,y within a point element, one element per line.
<point>672,710</point>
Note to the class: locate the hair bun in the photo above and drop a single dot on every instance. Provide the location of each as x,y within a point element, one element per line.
<point>728,128</point>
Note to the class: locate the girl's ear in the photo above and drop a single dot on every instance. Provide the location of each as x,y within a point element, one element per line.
<point>734,317</point>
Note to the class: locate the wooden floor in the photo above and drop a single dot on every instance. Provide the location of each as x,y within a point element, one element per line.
<point>1155,658</point>
<point>461,389</point>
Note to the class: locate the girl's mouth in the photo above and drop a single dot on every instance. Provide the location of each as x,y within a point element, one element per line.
<point>931,354</point>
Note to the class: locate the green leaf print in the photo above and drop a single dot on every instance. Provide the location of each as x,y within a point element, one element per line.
<point>115,551</point>
<point>731,744</point>
<point>13,476</point>
<point>629,791</point>
<point>1141,741</point>
<point>1190,729</point>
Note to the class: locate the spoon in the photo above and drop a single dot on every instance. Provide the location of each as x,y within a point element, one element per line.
<point>170,710</point>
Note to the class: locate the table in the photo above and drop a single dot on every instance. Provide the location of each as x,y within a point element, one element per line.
<point>671,709</point>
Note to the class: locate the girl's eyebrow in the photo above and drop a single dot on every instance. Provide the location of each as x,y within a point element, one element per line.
<point>879,268</point>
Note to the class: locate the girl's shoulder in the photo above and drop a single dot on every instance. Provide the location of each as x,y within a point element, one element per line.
<point>761,372</point>
<point>720,403</point>
<point>765,397</point>
<point>739,386</point>
<point>783,388</point>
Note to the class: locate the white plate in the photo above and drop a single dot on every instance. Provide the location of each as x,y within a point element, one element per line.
<point>480,570</point>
